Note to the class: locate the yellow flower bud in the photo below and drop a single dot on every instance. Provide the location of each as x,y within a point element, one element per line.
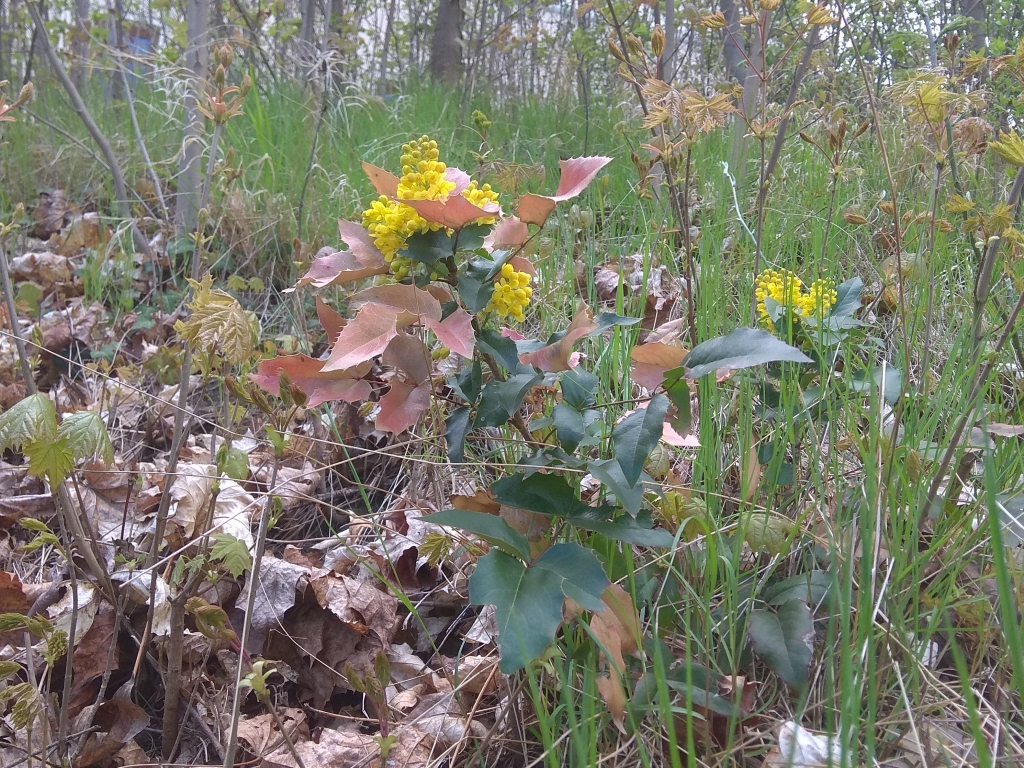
<point>658,39</point>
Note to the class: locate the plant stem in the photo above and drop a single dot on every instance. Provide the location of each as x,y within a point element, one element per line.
<point>254,579</point>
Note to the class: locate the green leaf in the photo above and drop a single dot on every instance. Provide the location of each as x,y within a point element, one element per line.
<point>606,320</point>
<point>870,380</point>
<point>743,348</point>
<point>9,669</point>
<point>87,436</point>
<point>31,524</point>
<point>767,531</point>
<point>233,462</point>
<point>471,236</point>
<point>578,388</point>
<point>500,399</point>
<point>569,426</point>
<point>785,640</point>
<point>635,436</point>
<point>626,529</point>
<point>812,587</point>
<point>491,528</point>
<point>468,381</point>
<point>456,429</point>
<point>847,298</point>
<point>546,494</point>
<point>609,472</point>
<point>501,348</point>
<point>428,247</point>
<point>475,279</point>
<point>232,553</point>
<point>53,459</point>
<point>528,601</point>
<point>678,392</point>
<point>32,418</point>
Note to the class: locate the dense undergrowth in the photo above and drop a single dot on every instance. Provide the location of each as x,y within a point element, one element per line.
<point>879,486</point>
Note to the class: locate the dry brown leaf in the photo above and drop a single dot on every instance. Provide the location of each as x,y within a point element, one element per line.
<point>622,617</point>
<point>359,604</point>
<point>260,735</point>
<point>47,269</point>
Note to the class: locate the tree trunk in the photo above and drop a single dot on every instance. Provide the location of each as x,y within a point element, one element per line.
<point>735,64</point>
<point>80,44</point>
<point>668,59</point>
<point>306,52</point>
<point>446,47</point>
<point>197,62</point>
<point>975,10</point>
<point>4,52</point>
<point>117,40</point>
<point>382,67</point>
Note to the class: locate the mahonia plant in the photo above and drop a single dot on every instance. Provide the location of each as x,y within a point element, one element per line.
<point>450,270</point>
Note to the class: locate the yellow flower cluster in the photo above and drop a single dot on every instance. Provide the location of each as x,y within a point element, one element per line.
<point>480,196</point>
<point>391,222</point>
<point>512,293</point>
<point>422,172</point>
<point>787,289</point>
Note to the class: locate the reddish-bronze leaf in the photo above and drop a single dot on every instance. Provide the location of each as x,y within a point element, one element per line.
<point>402,406</point>
<point>407,301</point>
<point>523,264</point>
<point>365,337</point>
<point>308,375</point>
<point>385,182</point>
<point>331,267</point>
<point>555,357</point>
<point>331,321</point>
<point>455,332</point>
<point>652,360</point>
<point>455,212</point>
<point>577,173</point>
<point>409,355</point>
<point>510,232</point>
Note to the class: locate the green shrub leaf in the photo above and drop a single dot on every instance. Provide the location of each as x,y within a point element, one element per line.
<point>500,399</point>
<point>87,436</point>
<point>743,348</point>
<point>569,426</point>
<point>232,553</point>
<point>785,640</point>
<point>635,436</point>
<point>490,528</point>
<point>547,494</point>
<point>32,418</point>
<point>456,429</point>
<point>528,600</point>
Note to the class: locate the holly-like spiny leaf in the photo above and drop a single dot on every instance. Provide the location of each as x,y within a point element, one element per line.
<point>635,436</point>
<point>491,528</point>
<point>403,405</point>
<point>577,173</point>
<point>528,600</point>
<point>500,399</point>
<point>547,494</point>
<point>308,375</point>
<point>743,348</point>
